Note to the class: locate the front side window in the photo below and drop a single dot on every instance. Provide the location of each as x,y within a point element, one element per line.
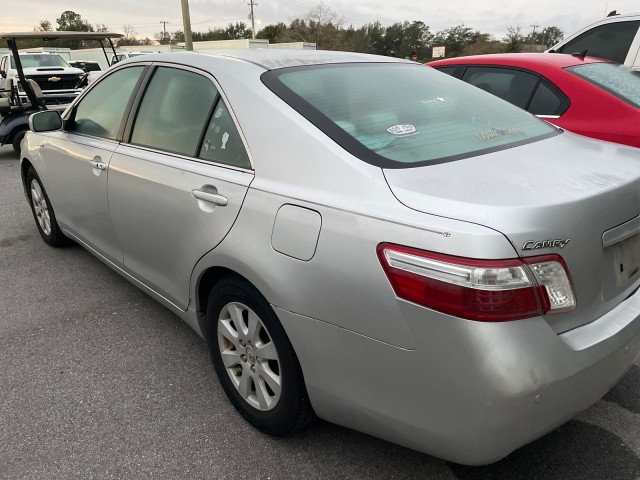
<point>100,112</point>
<point>610,41</point>
<point>174,111</point>
<point>619,80</point>
<point>398,115</point>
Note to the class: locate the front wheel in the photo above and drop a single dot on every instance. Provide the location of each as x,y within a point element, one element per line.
<point>43,212</point>
<point>254,360</point>
<point>17,139</point>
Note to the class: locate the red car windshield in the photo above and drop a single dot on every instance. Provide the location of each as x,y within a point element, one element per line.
<point>619,80</point>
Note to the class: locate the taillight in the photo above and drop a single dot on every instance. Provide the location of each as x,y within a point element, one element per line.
<point>484,290</point>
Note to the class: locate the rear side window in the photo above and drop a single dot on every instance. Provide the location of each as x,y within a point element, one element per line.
<point>618,80</point>
<point>611,41</point>
<point>514,86</point>
<point>448,70</point>
<point>397,115</point>
<point>222,142</point>
<point>546,101</point>
<point>100,112</point>
<point>174,111</point>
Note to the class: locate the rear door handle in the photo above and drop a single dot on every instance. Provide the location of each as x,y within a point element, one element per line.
<point>214,198</point>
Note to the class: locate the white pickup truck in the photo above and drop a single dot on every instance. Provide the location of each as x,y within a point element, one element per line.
<point>60,83</point>
<point>615,38</point>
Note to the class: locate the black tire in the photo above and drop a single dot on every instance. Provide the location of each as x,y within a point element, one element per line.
<point>54,237</point>
<point>293,410</point>
<point>17,138</point>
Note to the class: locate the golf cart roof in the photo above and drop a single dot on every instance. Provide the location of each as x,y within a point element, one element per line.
<point>59,35</point>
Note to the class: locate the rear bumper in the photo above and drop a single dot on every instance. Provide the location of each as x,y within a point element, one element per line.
<point>470,392</point>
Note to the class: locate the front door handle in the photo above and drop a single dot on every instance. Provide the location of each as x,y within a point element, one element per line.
<point>214,198</point>
<point>97,163</point>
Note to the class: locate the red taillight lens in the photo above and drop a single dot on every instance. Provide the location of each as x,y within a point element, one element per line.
<point>483,290</point>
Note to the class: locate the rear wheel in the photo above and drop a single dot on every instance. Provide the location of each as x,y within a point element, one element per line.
<point>43,212</point>
<point>17,139</point>
<point>254,359</point>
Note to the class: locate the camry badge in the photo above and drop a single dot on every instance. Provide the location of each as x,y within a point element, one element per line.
<point>54,79</point>
<point>535,245</point>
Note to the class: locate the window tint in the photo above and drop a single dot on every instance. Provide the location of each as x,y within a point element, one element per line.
<point>399,115</point>
<point>547,102</point>
<point>514,86</point>
<point>447,70</point>
<point>100,112</point>
<point>174,111</point>
<point>222,142</point>
<point>610,41</point>
<point>619,80</point>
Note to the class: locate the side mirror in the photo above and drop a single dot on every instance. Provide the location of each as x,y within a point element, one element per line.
<point>3,74</point>
<point>45,121</point>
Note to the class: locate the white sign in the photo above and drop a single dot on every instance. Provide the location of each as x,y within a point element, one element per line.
<point>438,52</point>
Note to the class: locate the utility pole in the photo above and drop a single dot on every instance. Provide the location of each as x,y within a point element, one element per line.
<point>252,4</point>
<point>164,30</point>
<point>186,20</point>
<point>533,35</point>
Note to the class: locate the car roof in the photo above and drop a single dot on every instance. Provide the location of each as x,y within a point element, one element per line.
<point>282,58</point>
<point>59,35</point>
<point>557,60</point>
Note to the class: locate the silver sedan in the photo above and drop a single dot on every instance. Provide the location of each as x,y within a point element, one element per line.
<point>358,238</point>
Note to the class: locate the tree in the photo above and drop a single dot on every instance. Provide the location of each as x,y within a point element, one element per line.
<point>177,37</point>
<point>483,45</point>
<point>237,31</point>
<point>321,25</point>
<point>273,33</point>
<point>455,39</point>
<point>416,39</point>
<point>513,40</point>
<point>73,22</point>
<point>163,38</point>
<point>129,37</point>
<point>552,35</point>
<point>43,26</point>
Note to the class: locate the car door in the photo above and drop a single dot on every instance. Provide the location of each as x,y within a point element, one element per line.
<point>76,170</point>
<point>176,187</point>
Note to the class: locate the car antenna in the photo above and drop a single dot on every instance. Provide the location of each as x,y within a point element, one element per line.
<point>613,13</point>
<point>582,54</point>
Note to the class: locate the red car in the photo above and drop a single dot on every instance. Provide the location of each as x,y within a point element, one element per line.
<point>585,95</point>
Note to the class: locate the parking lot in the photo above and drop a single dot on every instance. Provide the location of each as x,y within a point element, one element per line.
<point>100,381</point>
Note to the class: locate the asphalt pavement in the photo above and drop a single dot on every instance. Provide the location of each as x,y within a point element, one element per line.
<point>97,380</point>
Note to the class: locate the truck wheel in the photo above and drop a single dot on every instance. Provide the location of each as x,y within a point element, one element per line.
<point>17,138</point>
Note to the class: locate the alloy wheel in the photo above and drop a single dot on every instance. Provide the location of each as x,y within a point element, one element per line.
<point>40,207</point>
<point>249,356</point>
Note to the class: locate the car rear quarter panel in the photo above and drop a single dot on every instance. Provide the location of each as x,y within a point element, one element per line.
<point>343,283</point>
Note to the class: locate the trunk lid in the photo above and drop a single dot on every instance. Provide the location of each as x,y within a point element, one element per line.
<point>567,195</point>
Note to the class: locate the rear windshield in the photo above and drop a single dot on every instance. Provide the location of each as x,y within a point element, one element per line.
<point>619,80</point>
<point>35,61</point>
<point>403,115</point>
